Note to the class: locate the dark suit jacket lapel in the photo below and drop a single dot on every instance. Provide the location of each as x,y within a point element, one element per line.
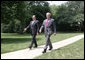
<point>34,22</point>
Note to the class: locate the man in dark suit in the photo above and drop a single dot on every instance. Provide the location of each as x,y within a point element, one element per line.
<point>48,25</point>
<point>34,30</point>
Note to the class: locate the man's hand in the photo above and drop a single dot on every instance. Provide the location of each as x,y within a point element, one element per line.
<point>25,29</point>
<point>54,34</point>
<point>37,33</point>
<point>40,31</point>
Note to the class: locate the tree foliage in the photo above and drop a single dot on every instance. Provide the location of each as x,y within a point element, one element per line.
<point>16,15</point>
<point>70,16</point>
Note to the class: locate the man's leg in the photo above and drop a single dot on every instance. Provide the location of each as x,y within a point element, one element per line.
<point>35,42</point>
<point>50,45</point>
<point>32,41</point>
<point>47,43</point>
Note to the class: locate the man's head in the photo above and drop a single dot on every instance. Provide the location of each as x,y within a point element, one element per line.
<point>34,17</point>
<point>48,15</point>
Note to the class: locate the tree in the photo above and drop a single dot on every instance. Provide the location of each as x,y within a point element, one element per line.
<point>8,15</point>
<point>38,8</point>
<point>16,15</point>
<point>54,9</point>
<point>69,15</point>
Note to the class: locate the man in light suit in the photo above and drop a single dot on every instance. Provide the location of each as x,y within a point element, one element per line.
<point>48,25</point>
<point>34,30</point>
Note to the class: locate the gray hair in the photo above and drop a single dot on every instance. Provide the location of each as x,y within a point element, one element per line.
<point>33,16</point>
<point>48,13</point>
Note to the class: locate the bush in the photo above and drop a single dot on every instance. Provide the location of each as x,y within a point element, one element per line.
<point>16,26</point>
<point>4,28</point>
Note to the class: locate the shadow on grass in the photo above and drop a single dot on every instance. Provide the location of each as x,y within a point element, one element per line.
<point>16,40</point>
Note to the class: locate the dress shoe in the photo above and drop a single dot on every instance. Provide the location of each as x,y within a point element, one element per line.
<point>30,48</point>
<point>50,48</point>
<point>44,51</point>
<point>35,46</point>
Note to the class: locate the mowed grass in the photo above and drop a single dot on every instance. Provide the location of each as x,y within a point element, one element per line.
<point>13,41</point>
<point>72,51</point>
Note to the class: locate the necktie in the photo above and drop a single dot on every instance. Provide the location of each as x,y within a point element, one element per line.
<point>47,23</point>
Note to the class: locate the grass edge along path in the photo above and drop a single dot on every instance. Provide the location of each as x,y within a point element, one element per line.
<point>29,54</point>
<point>13,42</point>
<point>71,51</point>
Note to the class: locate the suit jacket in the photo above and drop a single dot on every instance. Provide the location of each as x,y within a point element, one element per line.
<point>51,26</point>
<point>34,27</point>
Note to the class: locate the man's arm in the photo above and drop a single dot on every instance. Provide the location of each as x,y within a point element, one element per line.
<point>37,26</point>
<point>27,27</point>
<point>41,27</point>
<point>54,25</point>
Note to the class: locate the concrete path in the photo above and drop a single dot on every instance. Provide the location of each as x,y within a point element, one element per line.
<point>29,54</point>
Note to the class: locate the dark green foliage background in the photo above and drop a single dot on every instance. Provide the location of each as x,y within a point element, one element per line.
<point>16,15</point>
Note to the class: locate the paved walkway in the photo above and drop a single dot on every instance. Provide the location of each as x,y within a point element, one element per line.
<point>29,54</point>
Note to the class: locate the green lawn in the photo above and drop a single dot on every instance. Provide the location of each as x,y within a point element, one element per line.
<point>13,41</point>
<point>72,51</point>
